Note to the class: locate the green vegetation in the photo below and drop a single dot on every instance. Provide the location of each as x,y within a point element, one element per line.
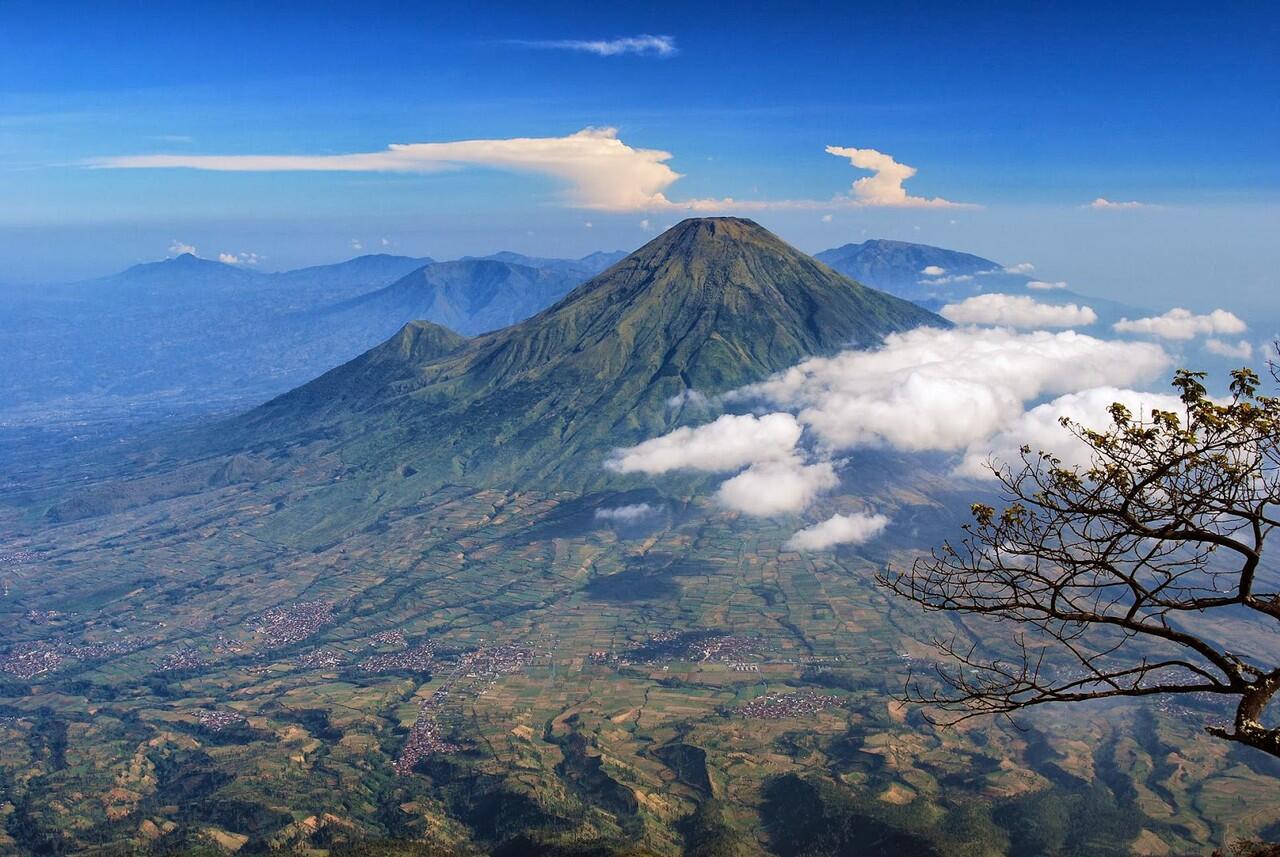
<point>405,632</point>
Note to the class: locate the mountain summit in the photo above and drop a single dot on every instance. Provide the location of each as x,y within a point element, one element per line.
<point>709,305</point>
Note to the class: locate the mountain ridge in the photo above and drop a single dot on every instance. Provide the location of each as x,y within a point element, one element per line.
<point>710,305</point>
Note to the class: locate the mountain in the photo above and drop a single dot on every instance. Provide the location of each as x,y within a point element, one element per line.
<point>398,606</point>
<point>469,296</point>
<point>189,335</point>
<point>898,266</point>
<point>587,266</point>
<point>933,277</point>
<point>709,305</point>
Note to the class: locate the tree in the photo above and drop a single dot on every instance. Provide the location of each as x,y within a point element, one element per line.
<point>1141,573</point>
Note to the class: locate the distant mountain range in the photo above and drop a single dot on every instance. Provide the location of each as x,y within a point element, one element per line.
<point>933,277</point>
<point>191,335</point>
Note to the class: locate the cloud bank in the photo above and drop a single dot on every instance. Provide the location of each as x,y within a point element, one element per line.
<point>773,488</point>
<point>1017,311</point>
<point>931,389</point>
<point>1181,324</point>
<point>1039,428</point>
<point>730,443</point>
<point>838,530</point>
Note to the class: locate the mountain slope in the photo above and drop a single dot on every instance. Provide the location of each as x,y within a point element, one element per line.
<point>709,305</point>
<point>469,296</point>
<point>899,267</point>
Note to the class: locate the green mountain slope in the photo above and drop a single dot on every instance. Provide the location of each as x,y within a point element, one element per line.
<point>709,305</point>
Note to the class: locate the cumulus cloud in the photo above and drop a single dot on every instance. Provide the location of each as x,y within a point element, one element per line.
<point>960,390</point>
<point>602,172</point>
<point>884,186</point>
<point>838,530</point>
<point>1179,323</point>
<point>1039,428</point>
<point>180,248</point>
<point>1017,311</point>
<point>1019,268</point>
<point>239,258</point>
<point>1242,349</point>
<point>1102,202</point>
<point>642,45</point>
<point>1044,286</point>
<point>729,443</point>
<point>629,514</point>
<point>779,487</point>
<point>931,389</point>
<point>933,271</point>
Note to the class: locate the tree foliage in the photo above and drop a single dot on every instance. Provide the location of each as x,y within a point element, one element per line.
<point>1138,574</point>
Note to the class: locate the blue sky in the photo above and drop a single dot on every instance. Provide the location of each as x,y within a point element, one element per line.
<point>1027,113</point>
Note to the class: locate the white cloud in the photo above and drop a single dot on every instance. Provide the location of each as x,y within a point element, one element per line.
<point>642,45</point>
<point>933,271</point>
<point>385,242</point>
<point>1179,323</point>
<point>629,514</point>
<point>931,389</point>
<point>646,226</point>
<point>826,218</point>
<point>179,248</point>
<point>602,172</point>
<point>884,186</point>
<point>1039,428</point>
<point>1242,349</point>
<point>356,244</point>
<point>1102,202</point>
<point>946,281</point>
<point>729,443</point>
<point>1019,268</point>
<point>1017,311</point>
<point>239,258</point>
<point>1043,286</point>
<point>778,487</point>
<point>838,530</point>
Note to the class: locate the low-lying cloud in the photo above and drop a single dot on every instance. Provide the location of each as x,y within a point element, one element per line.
<point>1181,324</point>
<point>1017,311</point>
<point>770,488</point>
<point>838,530</point>
<point>931,389</point>
<point>1040,429</point>
<point>629,514</point>
<point>1242,350</point>
<point>729,443</point>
